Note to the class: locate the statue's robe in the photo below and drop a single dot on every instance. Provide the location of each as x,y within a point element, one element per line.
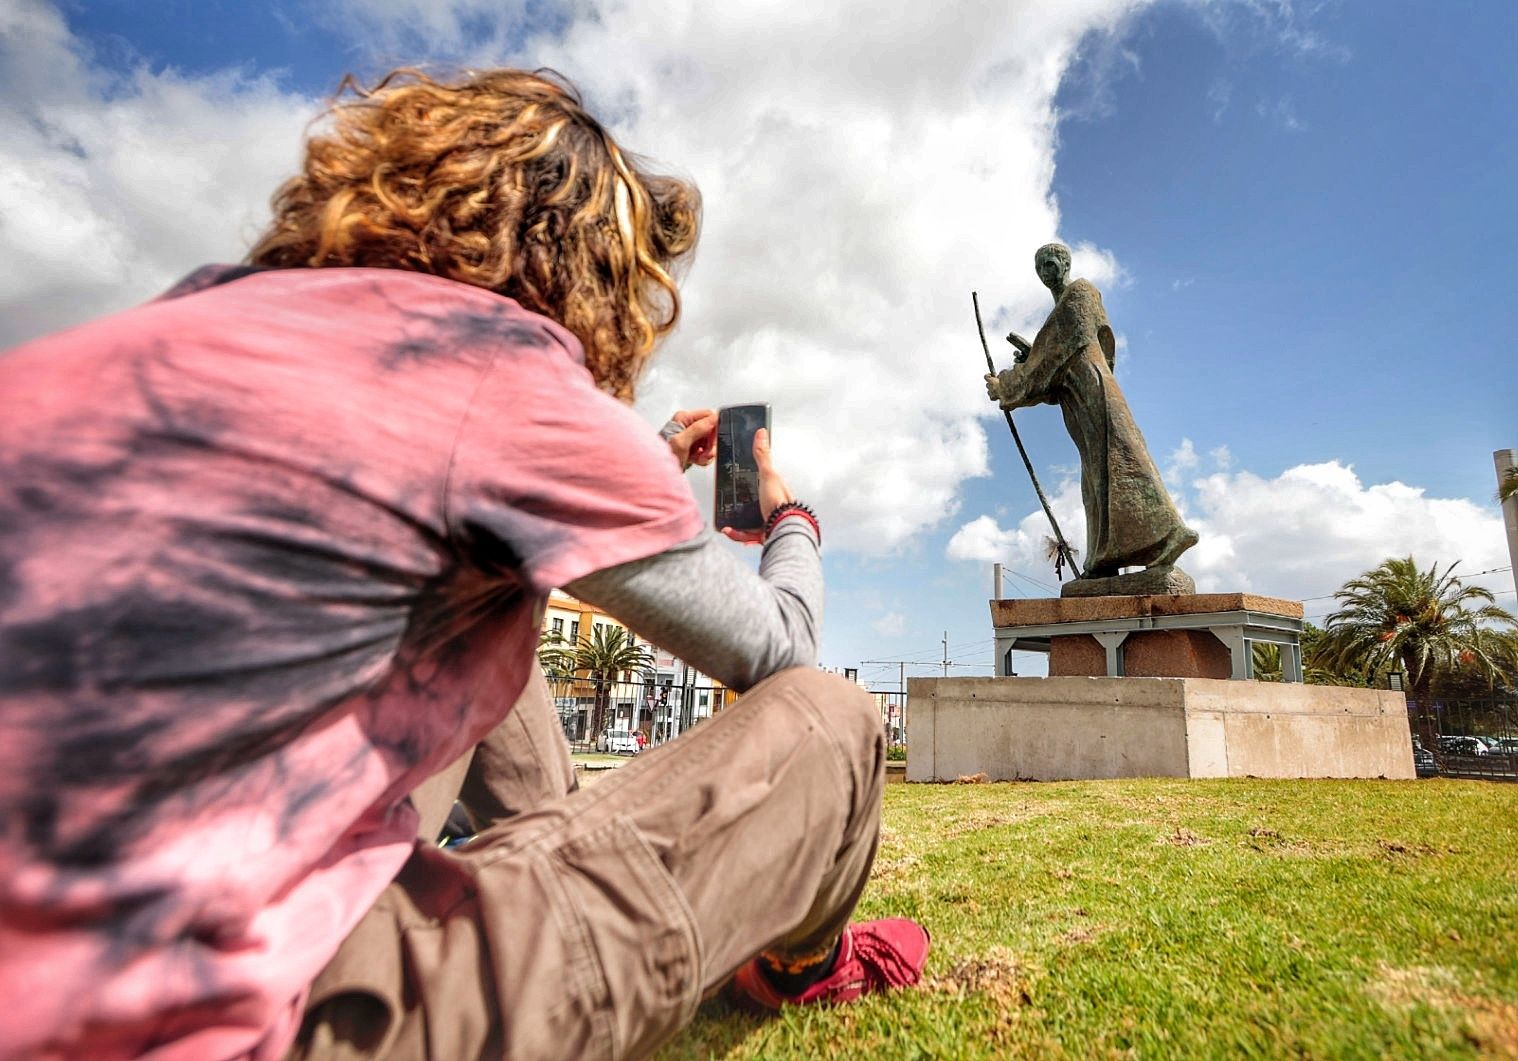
<point>1130,519</point>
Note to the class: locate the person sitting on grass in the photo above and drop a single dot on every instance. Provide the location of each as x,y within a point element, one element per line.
<point>275,556</point>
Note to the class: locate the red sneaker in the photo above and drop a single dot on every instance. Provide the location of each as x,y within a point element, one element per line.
<point>872,956</point>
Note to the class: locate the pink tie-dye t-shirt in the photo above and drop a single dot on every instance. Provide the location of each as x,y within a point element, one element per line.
<point>273,548</point>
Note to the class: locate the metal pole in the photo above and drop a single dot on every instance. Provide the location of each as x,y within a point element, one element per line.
<point>1507,464</point>
<point>1059,537</point>
<point>996,582</point>
<point>901,683</point>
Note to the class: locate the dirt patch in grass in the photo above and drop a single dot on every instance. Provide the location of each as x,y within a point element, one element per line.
<point>978,822</point>
<point>1493,1027</point>
<point>889,867</point>
<point>1408,987</point>
<point>1490,1024</point>
<point>1394,849</point>
<point>996,975</point>
<point>895,857</point>
<point>1183,837</point>
<point>1271,842</point>
<point>1079,934</point>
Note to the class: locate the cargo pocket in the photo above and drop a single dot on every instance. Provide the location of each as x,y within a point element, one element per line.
<point>593,946</point>
<point>354,1007</point>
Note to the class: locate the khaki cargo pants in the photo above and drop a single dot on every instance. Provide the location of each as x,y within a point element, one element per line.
<point>590,923</point>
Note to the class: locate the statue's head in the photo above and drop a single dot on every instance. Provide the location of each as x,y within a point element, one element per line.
<point>1052,263</point>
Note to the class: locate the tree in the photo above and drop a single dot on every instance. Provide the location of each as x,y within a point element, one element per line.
<point>1396,617</point>
<point>609,651</point>
<point>555,654</point>
<point>1509,486</point>
<point>1266,662</point>
<point>1466,682</point>
<point>1317,668</point>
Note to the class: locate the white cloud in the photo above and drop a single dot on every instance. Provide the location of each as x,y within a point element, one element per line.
<point>1310,528</point>
<point>1024,549</point>
<point>891,624</point>
<point>113,187</point>
<point>1219,95</point>
<point>1183,461</point>
<point>864,168</point>
<point>1281,24</point>
<point>1281,112</point>
<point>1300,534</point>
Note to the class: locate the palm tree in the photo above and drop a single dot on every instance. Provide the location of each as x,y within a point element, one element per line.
<point>1509,486</point>
<point>1398,617</point>
<point>609,651</point>
<point>1317,666</point>
<point>555,654</point>
<point>1265,662</point>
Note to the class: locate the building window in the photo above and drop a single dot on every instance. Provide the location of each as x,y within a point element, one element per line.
<point>574,630</point>
<point>558,628</point>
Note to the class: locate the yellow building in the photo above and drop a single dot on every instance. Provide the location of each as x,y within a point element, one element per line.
<point>668,697</point>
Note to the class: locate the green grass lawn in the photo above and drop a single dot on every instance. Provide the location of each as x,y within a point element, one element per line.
<point>599,758</point>
<point>1167,918</point>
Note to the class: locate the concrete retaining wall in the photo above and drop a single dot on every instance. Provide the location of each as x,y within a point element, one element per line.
<point>1085,728</point>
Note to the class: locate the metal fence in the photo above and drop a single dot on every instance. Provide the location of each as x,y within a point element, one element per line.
<point>893,716</point>
<point>633,714</point>
<point>647,712</point>
<point>1473,737</point>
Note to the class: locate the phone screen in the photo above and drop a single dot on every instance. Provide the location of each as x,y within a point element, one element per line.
<point>737,473</point>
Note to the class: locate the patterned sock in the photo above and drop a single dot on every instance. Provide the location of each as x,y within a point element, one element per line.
<point>792,974</point>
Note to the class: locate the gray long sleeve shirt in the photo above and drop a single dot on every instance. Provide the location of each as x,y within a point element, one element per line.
<point>700,602</point>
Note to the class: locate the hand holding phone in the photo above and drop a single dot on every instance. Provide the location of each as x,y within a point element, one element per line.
<point>748,487</point>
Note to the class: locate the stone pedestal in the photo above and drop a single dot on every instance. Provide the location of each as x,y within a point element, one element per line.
<point>1051,729</point>
<point>1197,635</point>
<point>1165,580</point>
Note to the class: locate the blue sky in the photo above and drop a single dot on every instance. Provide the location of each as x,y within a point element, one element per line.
<point>1299,215</point>
<point>1315,248</point>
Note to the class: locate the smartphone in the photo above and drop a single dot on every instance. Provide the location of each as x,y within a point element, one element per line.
<point>737,473</point>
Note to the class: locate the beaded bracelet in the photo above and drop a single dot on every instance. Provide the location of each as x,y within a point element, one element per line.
<point>792,508</point>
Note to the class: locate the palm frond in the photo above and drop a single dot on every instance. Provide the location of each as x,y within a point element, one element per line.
<point>1396,616</point>
<point>1509,486</point>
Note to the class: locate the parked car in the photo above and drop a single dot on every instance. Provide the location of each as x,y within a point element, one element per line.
<point>1453,745</point>
<point>1423,760</point>
<point>618,742</point>
<point>1507,745</point>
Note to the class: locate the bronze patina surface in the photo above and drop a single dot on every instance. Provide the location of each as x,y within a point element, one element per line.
<point>1131,520</point>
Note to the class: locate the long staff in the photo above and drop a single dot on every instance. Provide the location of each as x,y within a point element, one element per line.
<point>1059,537</point>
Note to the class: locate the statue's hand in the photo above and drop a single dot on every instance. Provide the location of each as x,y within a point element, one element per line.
<point>1022,345</point>
<point>993,387</point>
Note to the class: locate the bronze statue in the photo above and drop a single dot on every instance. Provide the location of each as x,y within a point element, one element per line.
<point>1130,519</point>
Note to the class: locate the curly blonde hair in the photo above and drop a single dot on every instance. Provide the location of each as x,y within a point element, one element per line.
<point>499,179</point>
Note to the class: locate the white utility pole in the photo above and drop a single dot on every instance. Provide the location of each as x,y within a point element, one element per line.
<point>1507,463</point>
